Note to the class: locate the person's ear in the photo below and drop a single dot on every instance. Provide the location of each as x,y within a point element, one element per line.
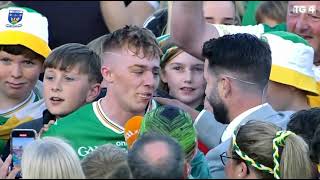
<point>225,87</point>
<point>107,74</point>
<point>241,170</point>
<point>93,92</point>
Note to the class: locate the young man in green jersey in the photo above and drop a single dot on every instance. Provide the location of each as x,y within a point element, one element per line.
<point>130,67</point>
<point>23,48</point>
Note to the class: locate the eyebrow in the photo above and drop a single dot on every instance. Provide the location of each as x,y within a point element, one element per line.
<point>181,64</point>
<point>175,64</point>
<point>143,67</point>
<point>228,18</point>
<point>209,17</point>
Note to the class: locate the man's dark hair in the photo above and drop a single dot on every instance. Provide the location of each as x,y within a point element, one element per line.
<point>244,55</point>
<point>135,39</point>
<point>170,167</point>
<point>305,123</point>
<point>69,55</point>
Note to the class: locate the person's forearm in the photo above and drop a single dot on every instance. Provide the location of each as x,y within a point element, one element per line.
<point>116,15</point>
<point>188,27</point>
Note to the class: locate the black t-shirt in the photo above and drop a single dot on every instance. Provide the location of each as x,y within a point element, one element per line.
<point>70,21</point>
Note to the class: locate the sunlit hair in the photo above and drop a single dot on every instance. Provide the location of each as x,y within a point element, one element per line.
<point>71,55</point>
<point>139,41</point>
<point>50,158</point>
<point>255,141</point>
<point>275,10</point>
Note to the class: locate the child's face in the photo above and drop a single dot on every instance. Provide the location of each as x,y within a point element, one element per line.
<point>65,91</point>
<point>184,75</point>
<point>18,75</point>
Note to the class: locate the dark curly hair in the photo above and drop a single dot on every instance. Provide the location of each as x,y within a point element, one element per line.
<point>304,123</point>
<point>315,146</point>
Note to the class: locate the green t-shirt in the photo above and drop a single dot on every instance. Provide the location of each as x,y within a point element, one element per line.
<point>249,17</point>
<point>87,128</point>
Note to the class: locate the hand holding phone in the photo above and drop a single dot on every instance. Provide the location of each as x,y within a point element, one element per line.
<point>5,172</point>
<point>19,139</point>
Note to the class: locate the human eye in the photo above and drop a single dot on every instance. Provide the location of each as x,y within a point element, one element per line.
<point>137,71</point>
<point>177,68</point>
<point>48,77</point>
<point>28,62</point>
<point>198,69</point>
<point>69,78</point>
<point>314,16</point>
<point>5,61</point>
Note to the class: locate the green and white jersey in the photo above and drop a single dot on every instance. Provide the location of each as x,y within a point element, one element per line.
<point>28,110</point>
<point>87,128</point>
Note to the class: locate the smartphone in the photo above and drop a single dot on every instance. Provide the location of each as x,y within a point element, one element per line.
<point>19,139</point>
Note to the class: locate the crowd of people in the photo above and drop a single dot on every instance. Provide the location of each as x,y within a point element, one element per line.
<point>172,90</point>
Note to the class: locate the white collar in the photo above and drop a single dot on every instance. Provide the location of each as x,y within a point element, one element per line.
<point>236,122</point>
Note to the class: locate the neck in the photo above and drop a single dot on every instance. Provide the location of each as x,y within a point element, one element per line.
<point>8,102</point>
<point>243,104</point>
<point>299,102</point>
<point>115,112</point>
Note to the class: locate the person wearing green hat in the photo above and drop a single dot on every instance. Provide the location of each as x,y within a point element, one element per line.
<point>176,123</point>
<point>23,49</point>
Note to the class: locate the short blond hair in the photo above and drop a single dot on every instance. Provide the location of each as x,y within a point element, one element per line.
<point>50,158</point>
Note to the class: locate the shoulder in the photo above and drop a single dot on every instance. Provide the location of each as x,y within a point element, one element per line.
<point>34,124</point>
<point>214,154</point>
<point>84,111</point>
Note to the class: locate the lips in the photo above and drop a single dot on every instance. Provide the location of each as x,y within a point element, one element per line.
<point>15,85</point>
<point>145,96</point>
<point>56,100</point>
<point>187,89</point>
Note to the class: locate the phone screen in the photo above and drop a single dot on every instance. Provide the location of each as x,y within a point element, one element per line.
<point>17,146</point>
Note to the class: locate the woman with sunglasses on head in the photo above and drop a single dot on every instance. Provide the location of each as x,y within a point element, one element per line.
<point>260,150</point>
